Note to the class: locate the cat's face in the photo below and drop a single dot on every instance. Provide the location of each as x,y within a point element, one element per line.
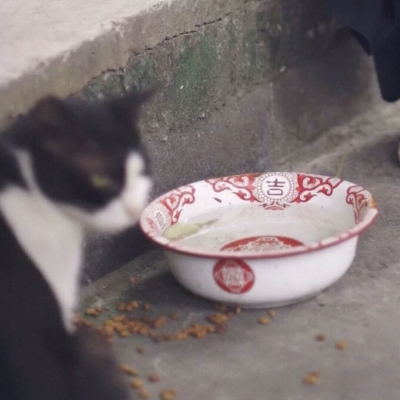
<point>87,159</point>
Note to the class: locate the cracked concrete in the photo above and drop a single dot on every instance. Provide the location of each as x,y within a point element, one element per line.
<point>83,41</point>
<point>253,361</point>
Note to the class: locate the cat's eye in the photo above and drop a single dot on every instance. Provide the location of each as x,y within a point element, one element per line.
<point>101,181</point>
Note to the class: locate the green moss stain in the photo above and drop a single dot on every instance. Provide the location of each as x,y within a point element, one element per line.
<point>257,56</point>
<point>193,74</point>
<point>105,86</point>
<point>141,73</point>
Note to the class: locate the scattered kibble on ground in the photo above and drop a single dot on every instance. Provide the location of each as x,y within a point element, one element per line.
<point>312,378</point>
<point>127,369</point>
<point>153,378</point>
<point>136,383</point>
<point>263,320</point>
<point>126,324</point>
<point>93,311</point>
<point>342,345</point>
<point>320,337</point>
<point>217,318</point>
<point>159,322</point>
<point>80,321</point>
<point>168,394</point>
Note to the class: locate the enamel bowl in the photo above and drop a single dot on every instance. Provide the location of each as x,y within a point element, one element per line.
<point>260,240</point>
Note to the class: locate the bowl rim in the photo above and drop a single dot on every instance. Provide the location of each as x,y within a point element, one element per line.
<point>359,227</point>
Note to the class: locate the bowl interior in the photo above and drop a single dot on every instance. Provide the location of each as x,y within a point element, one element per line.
<point>258,215</point>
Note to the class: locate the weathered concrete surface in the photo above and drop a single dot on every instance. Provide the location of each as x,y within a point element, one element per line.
<point>252,361</point>
<point>57,47</point>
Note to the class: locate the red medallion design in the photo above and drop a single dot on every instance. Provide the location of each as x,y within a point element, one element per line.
<point>176,199</point>
<point>261,243</point>
<point>233,276</point>
<point>276,190</point>
<point>358,200</point>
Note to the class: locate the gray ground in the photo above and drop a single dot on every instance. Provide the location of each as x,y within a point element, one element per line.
<point>253,361</point>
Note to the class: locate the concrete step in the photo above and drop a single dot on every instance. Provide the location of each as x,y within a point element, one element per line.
<point>253,361</point>
<point>244,83</point>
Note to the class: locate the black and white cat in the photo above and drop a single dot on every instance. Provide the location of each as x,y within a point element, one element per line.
<point>67,166</point>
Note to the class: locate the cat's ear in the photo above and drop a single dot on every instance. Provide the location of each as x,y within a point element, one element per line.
<point>50,118</point>
<point>127,108</point>
<point>50,112</point>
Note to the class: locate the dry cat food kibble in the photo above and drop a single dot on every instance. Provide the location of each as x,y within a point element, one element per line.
<point>263,320</point>
<point>342,345</point>
<point>217,318</point>
<point>93,311</point>
<point>140,350</point>
<point>312,378</point>
<point>130,306</point>
<point>125,326</point>
<point>123,333</point>
<point>153,378</point>
<point>320,337</point>
<point>199,331</point>
<point>159,322</point>
<point>272,313</point>
<point>127,369</point>
<point>136,383</point>
<point>80,321</point>
<point>168,394</point>
<point>146,306</point>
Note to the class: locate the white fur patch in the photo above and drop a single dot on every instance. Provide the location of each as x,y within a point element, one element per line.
<point>50,239</point>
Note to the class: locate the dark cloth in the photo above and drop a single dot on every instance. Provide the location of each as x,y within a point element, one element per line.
<point>376,25</point>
